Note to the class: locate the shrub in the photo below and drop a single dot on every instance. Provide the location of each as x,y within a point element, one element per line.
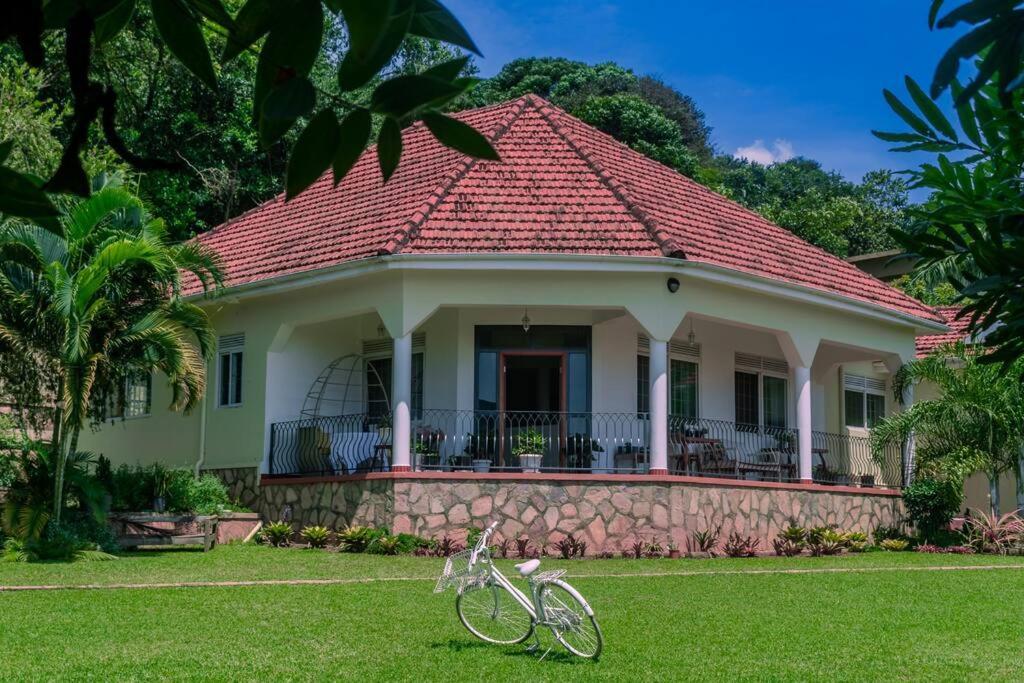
<point>356,539</point>
<point>705,541</point>
<point>570,547</point>
<point>638,548</point>
<point>784,547</point>
<point>385,544</point>
<point>523,550</point>
<point>654,550</point>
<point>410,543</point>
<point>894,544</point>
<point>59,542</point>
<point>855,541</point>
<point>504,546</point>
<point>206,495</point>
<point>928,548</point>
<point>530,442</point>
<point>883,532</point>
<point>992,534</point>
<point>316,536</point>
<point>932,503</point>
<point>473,535</point>
<point>278,534</point>
<point>741,546</point>
<point>447,546</point>
<point>825,541</point>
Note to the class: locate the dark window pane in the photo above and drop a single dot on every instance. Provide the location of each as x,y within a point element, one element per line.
<point>643,385</point>
<point>683,388</point>
<point>746,399</point>
<point>487,381</point>
<point>854,403</point>
<point>236,378</point>
<point>378,387</point>
<point>774,402</point>
<point>224,379</point>
<point>876,409</point>
<point>417,386</point>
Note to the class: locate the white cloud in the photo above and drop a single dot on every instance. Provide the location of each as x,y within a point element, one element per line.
<point>758,152</point>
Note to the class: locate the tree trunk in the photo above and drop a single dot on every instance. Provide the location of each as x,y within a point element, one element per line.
<point>993,493</point>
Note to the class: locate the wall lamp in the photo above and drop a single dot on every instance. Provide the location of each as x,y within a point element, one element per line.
<point>673,285</point>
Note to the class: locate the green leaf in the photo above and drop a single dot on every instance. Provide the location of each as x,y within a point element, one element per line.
<point>375,34</point>
<point>252,23</point>
<point>401,95</point>
<point>899,137</point>
<point>904,112</point>
<point>389,147</point>
<point>460,136</point>
<point>294,98</point>
<point>353,136</point>
<point>964,48</point>
<point>291,49</point>
<point>181,31</point>
<point>448,71</point>
<point>975,12</point>
<point>21,197</point>
<point>930,110</point>
<point>933,12</point>
<point>113,22</point>
<point>5,150</point>
<point>965,114</point>
<point>214,11</point>
<point>312,154</point>
<point>433,20</point>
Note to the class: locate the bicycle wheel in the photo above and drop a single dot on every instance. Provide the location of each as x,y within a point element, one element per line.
<point>490,613</point>
<point>571,620</point>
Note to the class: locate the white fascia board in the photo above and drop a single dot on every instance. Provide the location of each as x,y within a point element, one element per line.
<point>578,263</point>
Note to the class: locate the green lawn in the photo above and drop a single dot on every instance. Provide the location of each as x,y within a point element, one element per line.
<point>745,624</point>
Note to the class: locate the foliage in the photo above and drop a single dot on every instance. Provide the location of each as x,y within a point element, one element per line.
<point>523,549</point>
<point>63,542</point>
<point>975,422</point>
<point>894,544</point>
<point>29,501</point>
<point>356,539</point>
<point>530,442</point>
<point>825,541</point>
<point>316,536</point>
<point>288,37</point>
<point>473,534</point>
<point>933,294</point>
<point>932,503</point>
<point>134,488</point>
<point>790,541</point>
<point>741,546</point>
<point>569,547</point>
<point>855,541</point>
<point>278,534</point>
<point>705,540</point>
<point>410,543</point>
<point>971,231</point>
<point>13,443</point>
<point>384,544</point>
<point>883,532</point>
<point>447,546</point>
<point>990,533</point>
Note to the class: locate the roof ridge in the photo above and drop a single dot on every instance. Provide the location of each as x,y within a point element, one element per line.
<point>668,245</point>
<point>408,230</point>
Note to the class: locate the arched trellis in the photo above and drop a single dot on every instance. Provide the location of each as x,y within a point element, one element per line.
<point>338,389</point>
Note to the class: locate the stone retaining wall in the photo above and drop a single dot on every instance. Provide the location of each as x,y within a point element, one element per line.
<point>609,512</point>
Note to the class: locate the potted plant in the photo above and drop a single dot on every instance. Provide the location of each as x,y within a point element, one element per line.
<point>529,448</point>
<point>581,451</point>
<point>384,429</point>
<point>160,476</point>
<point>427,445</point>
<point>673,550</point>
<point>480,449</point>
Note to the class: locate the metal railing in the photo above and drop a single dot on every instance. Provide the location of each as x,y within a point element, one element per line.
<point>468,440</point>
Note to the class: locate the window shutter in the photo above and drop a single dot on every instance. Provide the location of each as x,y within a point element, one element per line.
<point>865,384</point>
<point>384,347</point>
<point>675,348</point>
<point>231,342</point>
<point>750,361</point>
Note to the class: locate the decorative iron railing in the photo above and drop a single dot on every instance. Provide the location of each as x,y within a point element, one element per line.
<point>465,440</point>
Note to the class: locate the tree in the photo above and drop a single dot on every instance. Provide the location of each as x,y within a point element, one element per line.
<point>976,424</point>
<point>97,298</point>
<point>971,231</point>
<point>643,112</point>
<point>288,35</point>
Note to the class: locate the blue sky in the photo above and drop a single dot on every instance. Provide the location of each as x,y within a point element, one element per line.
<point>797,76</point>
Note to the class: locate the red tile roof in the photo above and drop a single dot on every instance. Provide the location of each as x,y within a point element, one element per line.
<point>925,344</point>
<point>561,187</point>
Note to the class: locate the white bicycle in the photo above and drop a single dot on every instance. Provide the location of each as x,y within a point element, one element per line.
<point>494,610</point>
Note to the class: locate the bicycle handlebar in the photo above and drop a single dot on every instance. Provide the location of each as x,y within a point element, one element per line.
<point>482,542</point>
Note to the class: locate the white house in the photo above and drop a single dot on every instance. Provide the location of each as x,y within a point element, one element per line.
<point>643,324</point>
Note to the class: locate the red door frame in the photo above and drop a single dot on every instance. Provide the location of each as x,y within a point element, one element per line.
<point>562,371</point>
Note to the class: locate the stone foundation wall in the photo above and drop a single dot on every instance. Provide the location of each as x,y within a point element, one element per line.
<point>609,514</point>
<point>243,484</point>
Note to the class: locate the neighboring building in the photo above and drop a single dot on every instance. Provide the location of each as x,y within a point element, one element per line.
<point>684,359</point>
<point>883,265</point>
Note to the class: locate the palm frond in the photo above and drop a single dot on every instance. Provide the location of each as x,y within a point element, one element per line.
<point>87,215</point>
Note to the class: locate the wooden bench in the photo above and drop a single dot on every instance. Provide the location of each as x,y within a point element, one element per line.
<point>138,530</point>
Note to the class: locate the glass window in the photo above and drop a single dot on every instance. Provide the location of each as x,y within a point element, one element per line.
<point>138,394</point>
<point>487,380</point>
<point>875,409</point>
<point>643,385</point>
<point>747,408</point>
<point>683,389</point>
<point>230,379</point>
<point>378,387</point>
<point>854,404</point>
<point>774,389</point>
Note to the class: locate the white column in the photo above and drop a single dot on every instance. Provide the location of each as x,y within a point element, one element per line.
<point>908,445</point>
<point>802,376</point>
<point>401,402</point>
<point>659,407</point>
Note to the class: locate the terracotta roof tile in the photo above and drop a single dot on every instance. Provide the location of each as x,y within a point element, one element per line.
<point>925,344</point>
<point>561,187</point>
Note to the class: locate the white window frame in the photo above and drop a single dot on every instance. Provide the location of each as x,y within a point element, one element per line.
<point>126,411</point>
<point>230,346</point>
<point>378,349</point>
<point>765,369</point>
<point>865,386</point>
<point>680,351</point>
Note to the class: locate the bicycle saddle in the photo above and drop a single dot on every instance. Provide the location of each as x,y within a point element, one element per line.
<point>528,567</point>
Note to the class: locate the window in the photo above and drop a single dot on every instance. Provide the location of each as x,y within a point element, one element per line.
<point>761,392</point>
<point>682,385</point>
<point>378,387</point>
<point>229,373</point>
<point>863,400</point>
<point>138,394</point>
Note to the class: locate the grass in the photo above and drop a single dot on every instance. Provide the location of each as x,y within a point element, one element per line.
<point>750,625</point>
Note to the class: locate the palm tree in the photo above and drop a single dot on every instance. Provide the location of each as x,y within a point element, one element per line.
<point>975,424</point>
<point>99,297</point>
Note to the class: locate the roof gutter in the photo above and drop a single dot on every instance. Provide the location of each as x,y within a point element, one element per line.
<point>575,263</point>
